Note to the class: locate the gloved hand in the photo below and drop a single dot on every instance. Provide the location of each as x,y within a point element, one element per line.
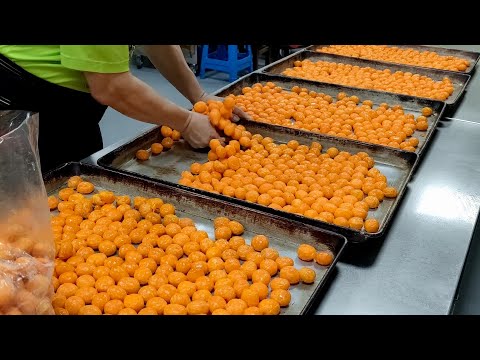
<point>237,112</point>
<point>198,131</point>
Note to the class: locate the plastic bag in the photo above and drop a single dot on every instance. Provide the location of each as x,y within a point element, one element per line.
<point>27,248</point>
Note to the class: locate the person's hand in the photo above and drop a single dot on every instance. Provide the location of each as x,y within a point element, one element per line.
<point>237,112</point>
<point>199,131</point>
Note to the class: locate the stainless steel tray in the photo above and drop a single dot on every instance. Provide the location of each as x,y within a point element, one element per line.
<point>410,104</point>
<point>167,167</point>
<point>471,56</point>
<point>459,81</point>
<point>284,234</point>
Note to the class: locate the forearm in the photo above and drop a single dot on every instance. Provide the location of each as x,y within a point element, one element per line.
<point>169,60</point>
<point>133,98</point>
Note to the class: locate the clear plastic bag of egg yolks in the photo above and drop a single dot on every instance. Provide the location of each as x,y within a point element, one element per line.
<point>27,248</point>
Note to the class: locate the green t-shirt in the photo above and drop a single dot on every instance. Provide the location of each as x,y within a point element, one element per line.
<point>64,64</point>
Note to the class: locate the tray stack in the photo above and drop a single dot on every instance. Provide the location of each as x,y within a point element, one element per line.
<point>284,235</point>
<point>161,174</point>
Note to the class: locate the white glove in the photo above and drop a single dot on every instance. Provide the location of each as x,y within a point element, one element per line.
<point>199,131</point>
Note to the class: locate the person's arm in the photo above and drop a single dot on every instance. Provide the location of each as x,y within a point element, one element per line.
<point>169,60</point>
<point>106,70</point>
<point>134,98</point>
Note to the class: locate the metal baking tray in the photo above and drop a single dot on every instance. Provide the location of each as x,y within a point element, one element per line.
<point>471,56</point>
<point>284,235</point>
<point>410,104</point>
<point>459,81</point>
<point>167,167</point>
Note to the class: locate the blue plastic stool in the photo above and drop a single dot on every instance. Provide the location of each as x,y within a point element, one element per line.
<point>226,59</point>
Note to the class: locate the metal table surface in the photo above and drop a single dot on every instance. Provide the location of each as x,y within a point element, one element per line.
<point>416,267</point>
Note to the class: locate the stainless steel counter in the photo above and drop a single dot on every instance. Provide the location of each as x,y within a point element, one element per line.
<point>416,268</point>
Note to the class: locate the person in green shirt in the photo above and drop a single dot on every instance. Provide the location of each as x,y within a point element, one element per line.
<point>71,86</point>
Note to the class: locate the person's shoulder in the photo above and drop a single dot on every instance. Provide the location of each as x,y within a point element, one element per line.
<point>96,58</point>
<point>30,52</point>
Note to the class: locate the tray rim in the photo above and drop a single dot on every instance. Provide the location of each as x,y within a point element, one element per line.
<point>354,236</point>
<point>451,103</point>
<point>470,69</point>
<point>313,83</point>
<point>77,167</point>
